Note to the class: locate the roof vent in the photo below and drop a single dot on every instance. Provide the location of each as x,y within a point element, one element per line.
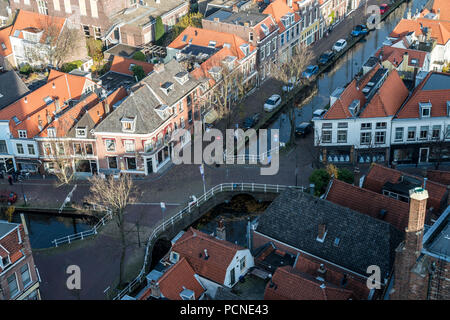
<point>206,254</point>
<point>382,214</point>
<point>322,232</point>
<point>323,286</point>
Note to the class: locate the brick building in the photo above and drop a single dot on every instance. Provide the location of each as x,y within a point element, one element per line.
<point>19,278</point>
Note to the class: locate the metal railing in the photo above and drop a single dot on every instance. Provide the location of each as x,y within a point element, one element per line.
<point>224,187</point>
<point>87,233</point>
<point>250,157</point>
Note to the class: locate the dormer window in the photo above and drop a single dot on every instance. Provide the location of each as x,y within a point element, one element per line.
<point>212,44</point>
<point>187,294</point>
<point>6,261</point>
<point>128,124</point>
<point>250,36</point>
<point>16,120</point>
<point>285,20</point>
<point>425,109</point>
<point>322,233</point>
<point>48,100</point>
<point>182,77</point>
<point>51,132</point>
<point>22,134</point>
<point>265,29</point>
<point>81,132</point>
<point>132,65</point>
<point>245,48</point>
<point>167,87</point>
<point>174,257</point>
<point>216,73</point>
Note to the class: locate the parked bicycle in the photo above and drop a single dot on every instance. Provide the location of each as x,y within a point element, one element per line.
<point>23,175</point>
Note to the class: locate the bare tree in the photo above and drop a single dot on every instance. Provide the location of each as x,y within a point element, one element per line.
<point>115,194</point>
<point>62,166</point>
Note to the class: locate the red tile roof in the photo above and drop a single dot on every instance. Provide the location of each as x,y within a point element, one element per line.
<point>277,9</point>
<point>440,30</point>
<point>379,175</point>
<point>443,6</point>
<point>122,65</point>
<point>32,108</point>
<point>202,37</point>
<point>369,202</point>
<point>388,99</point>
<point>216,59</point>
<point>178,277</point>
<point>192,245</point>
<point>395,55</point>
<point>291,284</point>
<point>438,99</point>
<point>10,242</point>
<point>439,176</point>
<point>97,112</point>
<point>4,41</point>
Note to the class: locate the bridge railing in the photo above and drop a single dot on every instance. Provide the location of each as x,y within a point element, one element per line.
<point>87,233</point>
<point>224,187</point>
<point>250,157</point>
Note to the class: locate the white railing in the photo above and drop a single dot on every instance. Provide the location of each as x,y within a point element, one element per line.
<point>224,187</point>
<point>84,234</point>
<point>251,158</point>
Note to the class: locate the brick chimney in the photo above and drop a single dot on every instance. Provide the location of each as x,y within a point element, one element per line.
<point>409,14</point>
<point>154,289</point>
<point>289,3</point>
<point>406,58</point>
<point>220,230</point>
<point>409,250</point>
<point>322,230</point>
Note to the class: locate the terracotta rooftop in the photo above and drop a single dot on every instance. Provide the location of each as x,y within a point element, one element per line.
<point>440,30</point>
<point>122,65</point>
<point>215,60</point>
<point>290,284</point>
<point>443,7</point>
<point>5,45</point>
<point>365,201</point>
<point>9,243</point>
<point>277,9</point>
<point>192,246</point>
<point>395,56</point>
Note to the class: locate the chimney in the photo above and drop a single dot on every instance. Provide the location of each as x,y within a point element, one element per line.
<point>155,290</point>
<point>220,230</point>
<point>159,67</point>
<point>429,34</point>
<point>322,230</point>
<point>322,271</point>
<point>206,254</point>
<point>356,177</point>
<point>289,3</point>
<point>235,8</point>
<point>417,209</point>
<point>409,14</point>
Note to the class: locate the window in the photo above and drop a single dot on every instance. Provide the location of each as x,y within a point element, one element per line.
<point>447,132</point>
<point>190,116</point>
<point>366,137</point>
<point>274,45</point>
<point>112,162</point>
<point>282,40</point>
<point>51,132</point>
<point>67,6</point>
<point>12,284</point>
<point>3,148</point>
<point>148,146</point>
<point>22,133</point>
<point>366,126</point>
<point>342,136</point>
<point>380,137</point>
<point>87,33</point>
<point>60,148</point>
<point>89,149</point>
<point>326,136</point>
<point>436,132</point>
<point>110,145</point>
<point>250,37</point>
<point>82,5</point>
<point>30,149</point>
<point>20,148</point>
<point>424,132</point>
<point>77,149</point>
<point>342,125</point>
<point>380,125</point>
<point>131,163</point>
<point>26,276</point>
<point>127,125</point>
<point>242,263</point>
<point>5,262</point>
<point>411,133</point>
<point>182,125</point>
<point>398,134</point>
<point>47,149</point>
<point>128,145</point>
<point>263,53</point>
<point>94,9</point>
<point>42,7</point>
<point>425,112</point>
<point>81,132</point>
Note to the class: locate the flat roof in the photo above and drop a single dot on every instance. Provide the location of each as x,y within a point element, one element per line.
<point>122,50</point>
<point>113,80</point>
<point>238,18</point>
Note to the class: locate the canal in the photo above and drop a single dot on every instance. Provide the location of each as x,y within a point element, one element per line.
<point>344,70</point>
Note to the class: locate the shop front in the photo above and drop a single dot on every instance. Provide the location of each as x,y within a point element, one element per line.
<point>421,154</point>
<point>29,165</point>
<point>6,164</point>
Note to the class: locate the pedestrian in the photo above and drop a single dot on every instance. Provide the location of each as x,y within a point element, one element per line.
<point>10,180</point>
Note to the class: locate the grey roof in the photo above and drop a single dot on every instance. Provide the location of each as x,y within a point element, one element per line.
<point>156,79</point>
<point>113,80</point>
<point>437,81</point>
<point>251,17</point>
<point>436,240</point>
<point>12,88</point>
<point>122,50</point>
<point>84,122</point>
<point>294,218</point>
<point>6,227</point>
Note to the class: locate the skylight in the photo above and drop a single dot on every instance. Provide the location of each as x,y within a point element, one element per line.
<point>265,29</point>
<point>16,120</point>
<point>16,33</point>
<point>184,38</point>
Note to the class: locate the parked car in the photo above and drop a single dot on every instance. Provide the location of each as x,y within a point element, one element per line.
<point>360,29</point>
<point>383,8</point>
<point>310,71</point>
<point>271,103</point>
<point>319,113</point>
<point>339,45</point>
<point>8,197</point>
<point>326,57</point>
<point>303,129</point>
<point>251,121</point>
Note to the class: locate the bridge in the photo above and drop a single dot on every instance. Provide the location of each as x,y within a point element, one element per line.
<point>170,227</point>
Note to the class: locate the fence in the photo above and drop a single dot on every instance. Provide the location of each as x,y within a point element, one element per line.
<point>224,187</point>
<point>84,234</point>
<point>251,158</point>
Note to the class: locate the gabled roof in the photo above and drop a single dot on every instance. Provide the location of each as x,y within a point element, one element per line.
<point>440,30</point>
<point>192,245</point>
<point>277,9</point>
<point>369,202</point>
<point>379,175</point>
<point>216,59</point>
<point>4,41</point>
<point>435,88</point>
<point>179,277</point>
<point>10,241</point>
<point>294,218</point>
<point>202,37</point>
<point>395,56</point>
<point>122,65</point>
<point>60,88</point>
<point>290,284</point>
<point>388,99</point>
<point>443,6</point>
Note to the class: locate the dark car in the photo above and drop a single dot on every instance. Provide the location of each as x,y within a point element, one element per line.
<point>251,121</point>
<point>303,129</point>
<point>8,197</point>
<point>360,29</point>
<point>326,57</point>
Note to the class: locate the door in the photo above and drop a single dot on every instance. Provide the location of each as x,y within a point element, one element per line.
<point>423,155</point>
<point>232,276</point>
<point>94,167</point>
<point>149,165</point>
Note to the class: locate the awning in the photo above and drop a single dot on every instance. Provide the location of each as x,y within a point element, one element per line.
<point>29,161</point>
<point>211,116</point>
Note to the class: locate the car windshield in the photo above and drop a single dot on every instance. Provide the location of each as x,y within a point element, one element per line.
<point>339,43</point>
<point>310,68</point>
<point>271,101</point>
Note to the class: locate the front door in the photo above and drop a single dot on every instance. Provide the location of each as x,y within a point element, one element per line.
<point>149,165</point>
<point>423,155</point>
<point>232,276</point>
<point>94,167</point>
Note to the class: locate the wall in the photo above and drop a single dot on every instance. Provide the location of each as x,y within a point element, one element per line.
<point>235,264</point>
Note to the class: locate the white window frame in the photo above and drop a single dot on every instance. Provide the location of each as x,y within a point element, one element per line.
<point>22,134</point>
<point>129,143</point>
<point>106,145</point>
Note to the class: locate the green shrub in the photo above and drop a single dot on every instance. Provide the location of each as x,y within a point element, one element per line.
<point>345,175</point>
<point>26,69</point>
<point>69,66</point>
<point>139,56</point>
<point>139,72</point>
<point>320,178</point>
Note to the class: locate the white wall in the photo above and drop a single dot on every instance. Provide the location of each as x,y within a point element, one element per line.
<point>235,263</point>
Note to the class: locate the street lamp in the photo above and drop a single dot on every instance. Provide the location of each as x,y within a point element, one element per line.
<point>202,172</point>
<point>24,196</point>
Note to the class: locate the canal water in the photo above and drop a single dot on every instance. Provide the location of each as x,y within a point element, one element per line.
<point>344,70</point>
<point>44,228</point>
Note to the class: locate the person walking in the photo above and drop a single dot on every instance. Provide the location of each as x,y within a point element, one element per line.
<point>10,180</point>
